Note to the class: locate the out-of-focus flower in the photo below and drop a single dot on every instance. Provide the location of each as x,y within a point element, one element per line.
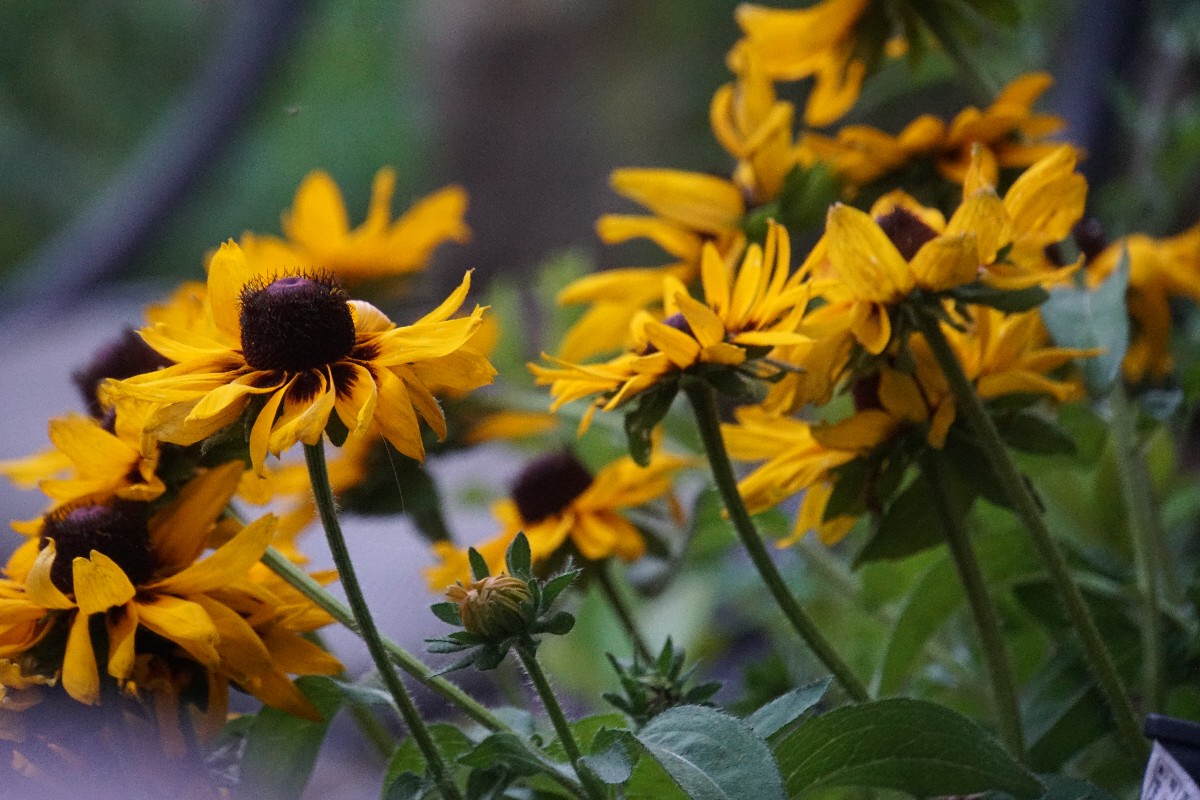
<point>557,501</point>
<point>319,237</point>
<point>1159,269</point>
<point>141,573</point>
<point>1009,133</point>
<point>296,344</point>
<point>818,42</point>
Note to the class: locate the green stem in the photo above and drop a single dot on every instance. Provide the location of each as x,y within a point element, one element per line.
<point>303,583</point>
<point>1143,530</point>
<point>592,787</point>
<point>969,68</point>
<point>704,406</point>
<point>1026,509</point>
<point>987,620</point>
<point>318,473</point>
<point>368,724</point>
<point>617,603</point>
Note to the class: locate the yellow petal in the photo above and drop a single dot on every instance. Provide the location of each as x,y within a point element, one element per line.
<point>396,417</point>
<point>355,399</point>
<point>228,273</point>
<point>38,585</point>
<point>863,257</point>
<point>448,307</point>
<point>183,622</point>
<point>229,562</point>
<point>692,199</point>
<point>80,675</point>
<point>100,583</point>
<point>260,432</point>
<point>178,532</point>
<point>680,348</point>
<point>706,326</point>
<point>946,262</point>
<point>318,214</point>
<point>122,629</point>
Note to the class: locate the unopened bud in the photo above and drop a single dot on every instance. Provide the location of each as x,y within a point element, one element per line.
<point>494,607</point>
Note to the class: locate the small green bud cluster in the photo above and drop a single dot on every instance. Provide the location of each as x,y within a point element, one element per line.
<point>650,689</point>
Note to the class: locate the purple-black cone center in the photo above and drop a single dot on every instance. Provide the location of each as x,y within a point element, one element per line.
<point>906,230</point>
<point>118,530</point>
<point>295,323</point>
<point>548,485</point>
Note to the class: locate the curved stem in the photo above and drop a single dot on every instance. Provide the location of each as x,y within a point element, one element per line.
<point>987,620</point>
<point>1143,527</point>
<point>617,603</point>
<point>592,787</point>
<point>1026,509</point>
<point>303,583</point>
<point>700,395</point>
<point>318,473</point>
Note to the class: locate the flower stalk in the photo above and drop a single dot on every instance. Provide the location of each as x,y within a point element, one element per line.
<point>1026,507</point>
<point>983,609</point>
<point>700,395</point>
<point>541,684</point>
<point>303,583</point>
<point>612,595</point>
<point>314,457</point>
<point>1144,532</point>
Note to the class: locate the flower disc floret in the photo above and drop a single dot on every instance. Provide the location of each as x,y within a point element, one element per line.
<point>118,530</point>
<point>295,323</point>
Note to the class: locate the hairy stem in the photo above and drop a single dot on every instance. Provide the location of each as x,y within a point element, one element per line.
<point>612,595</point>
<point>314,456</point>
<point>1026,508</point>
<point>700,395</point>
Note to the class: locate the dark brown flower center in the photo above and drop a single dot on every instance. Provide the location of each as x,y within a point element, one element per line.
<point>548,485</point>
<point>118,530</point>
<point>865,392</point>
<point>1089,237</point>
<point>906,230</point>
<point>295,323</point>
<point>122,358</point>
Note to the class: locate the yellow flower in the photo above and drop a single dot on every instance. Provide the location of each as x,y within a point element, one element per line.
<point>555,501</point>
<point>755,127</point>
<point>319,236</point>
<point>88,463</point>
<point>761,306</point>
<point>794,461</point>
<point>818,42</point>
<point>141,574</point>
<point>297,345</point>
<point>689,209</point>
<point>1009,133</point>
<point>1159,269</point>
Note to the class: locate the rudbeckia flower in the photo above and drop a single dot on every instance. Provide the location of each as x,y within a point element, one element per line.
<point>295,349</point>
<point>817,42</point>
<point>1009,133</point>
<point>557,501</point>
<point>758,308</point>
<point>143,575</point>
<point>319,237</point>
<point>794,461</point>
<point>1159,269</point>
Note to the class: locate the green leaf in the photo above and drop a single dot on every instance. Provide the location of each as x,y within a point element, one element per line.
<point>711,755</point>
<point>643,418</point>
<point>610,760</point>
<point>908,745</point>
<point>911,522</point>
<point>281,750</point>
<point>849,482</point>
<point>1034,433</point>
<point>479,567</point>
<point>1009,300</point>
<point>450,741</point>
<point>405,786</point>
<point>518,557</point>
<point>1064,787</point>
<point>1063,712</point>
<point>555,586</point>
<point>1078,317</point>
<point>934,597</point>
<point>786,709</point>
<point>447,612</point>
<point>509,751</point>
<point>806,197</point>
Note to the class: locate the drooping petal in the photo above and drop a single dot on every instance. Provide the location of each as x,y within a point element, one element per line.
<point>100,583</point>
<point>178,532</point>
<point>228,562</point>
<point>122,626</point>
<point>184,622</point>
<point>38,585</point>
<point>80,675</point>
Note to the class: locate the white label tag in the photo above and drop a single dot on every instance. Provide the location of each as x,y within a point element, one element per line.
<point>1166,780</point>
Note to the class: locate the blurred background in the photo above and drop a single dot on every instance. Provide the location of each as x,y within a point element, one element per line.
<point>136,135</point>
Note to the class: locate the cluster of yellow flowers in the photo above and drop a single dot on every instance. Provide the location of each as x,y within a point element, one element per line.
<point>141,576</point>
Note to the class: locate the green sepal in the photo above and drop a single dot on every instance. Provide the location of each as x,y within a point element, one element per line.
<point>518,557</point>
<point>643,418</point>
<point>447,612</point>
<point>479,567</point>
<point>1009,300</point>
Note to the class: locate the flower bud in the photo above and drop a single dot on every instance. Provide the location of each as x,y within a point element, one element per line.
<point>494,607</point>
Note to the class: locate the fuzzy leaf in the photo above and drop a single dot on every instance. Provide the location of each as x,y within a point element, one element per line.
<point>518,558</point>
<point>447,612</point>
<point>784,710</point>
<point>712,756</point>
<point>911,746</point>
<point>479,567</point>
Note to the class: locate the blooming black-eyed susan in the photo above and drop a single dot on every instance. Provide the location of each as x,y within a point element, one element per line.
<point>295,349</point>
